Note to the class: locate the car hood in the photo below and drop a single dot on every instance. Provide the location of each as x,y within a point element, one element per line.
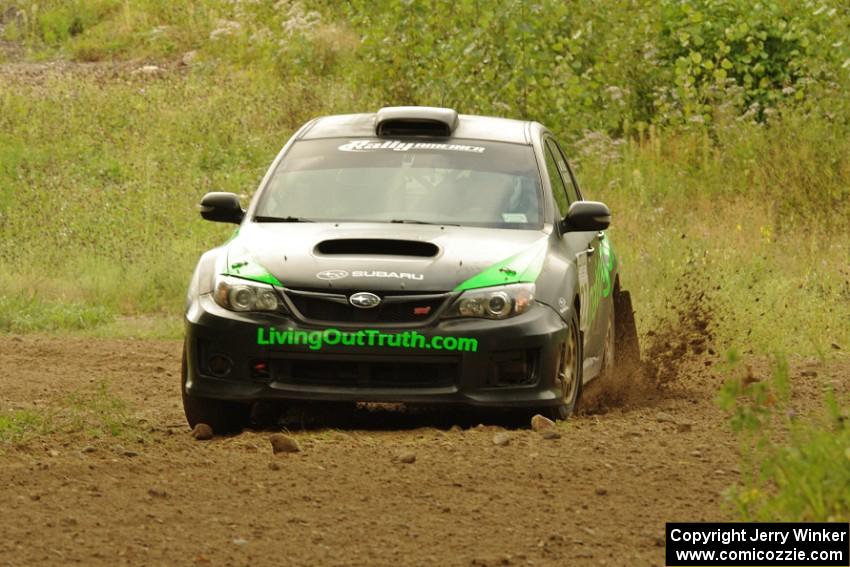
<point>383,257</point>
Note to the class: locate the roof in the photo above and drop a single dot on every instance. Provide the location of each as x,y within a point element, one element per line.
<point>469,126</point>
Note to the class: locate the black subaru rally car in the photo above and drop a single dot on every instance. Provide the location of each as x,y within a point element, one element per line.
<point>411,255</point>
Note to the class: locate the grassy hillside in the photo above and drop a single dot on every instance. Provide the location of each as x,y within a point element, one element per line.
<point>718,134</point>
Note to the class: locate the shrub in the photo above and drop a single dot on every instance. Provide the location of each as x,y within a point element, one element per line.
<point>614,67</point>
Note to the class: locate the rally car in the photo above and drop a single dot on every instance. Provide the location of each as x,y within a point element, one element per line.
<point>415,256</point>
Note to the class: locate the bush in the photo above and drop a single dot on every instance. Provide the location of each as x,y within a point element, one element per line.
<point>615,67</point>
<point>756,56</point>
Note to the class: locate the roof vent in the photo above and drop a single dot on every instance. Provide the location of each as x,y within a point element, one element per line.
<point>415,121</point>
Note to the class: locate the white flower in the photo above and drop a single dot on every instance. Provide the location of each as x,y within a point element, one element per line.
<point>225,28</point>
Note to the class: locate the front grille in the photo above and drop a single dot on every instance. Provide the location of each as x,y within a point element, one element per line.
<point>419,373</point>
<point>393,309</point>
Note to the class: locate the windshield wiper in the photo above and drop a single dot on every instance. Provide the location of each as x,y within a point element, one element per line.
<point>414,221</point>
<point>261,218</point>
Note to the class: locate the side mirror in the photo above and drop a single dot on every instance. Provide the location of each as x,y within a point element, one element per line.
<point>586,216</point>
<point>222,207</point>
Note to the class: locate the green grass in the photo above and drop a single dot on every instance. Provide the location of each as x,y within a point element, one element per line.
<point>19,425</point>
<point>727,213</point>
<point>796,468</point>
<point>86,414</point>
<point>98,413</point>
<point>108,217</point>
<point>26,313</point>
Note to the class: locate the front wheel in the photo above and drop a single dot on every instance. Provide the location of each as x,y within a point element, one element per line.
<point>221,415</point>
<point>568,372</point>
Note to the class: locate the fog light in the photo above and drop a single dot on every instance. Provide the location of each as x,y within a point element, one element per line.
<point>220,365</point>
<point>513,368</point>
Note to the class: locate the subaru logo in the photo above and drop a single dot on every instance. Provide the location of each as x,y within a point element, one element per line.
<point>364,300</point>
<point>332,275</point>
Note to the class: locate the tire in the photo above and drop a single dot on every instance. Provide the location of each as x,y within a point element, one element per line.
<point>221,415</point>
<point>626,342</point>
<point>568,373</point>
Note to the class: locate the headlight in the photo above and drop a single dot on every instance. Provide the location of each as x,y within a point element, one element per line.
<point>243,295</point>
<point>494,302</point>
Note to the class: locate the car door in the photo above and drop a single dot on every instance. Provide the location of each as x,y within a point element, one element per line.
<point>586,247</point>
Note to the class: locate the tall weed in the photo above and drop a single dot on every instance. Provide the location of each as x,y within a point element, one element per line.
<point>795,468</point>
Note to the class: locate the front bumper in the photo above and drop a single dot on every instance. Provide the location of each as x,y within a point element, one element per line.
<point>512,366</point>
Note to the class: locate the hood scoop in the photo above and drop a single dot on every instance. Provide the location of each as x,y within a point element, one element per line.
<point>376,247</point>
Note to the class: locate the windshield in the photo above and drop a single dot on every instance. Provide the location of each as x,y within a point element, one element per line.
<point>461,182</point>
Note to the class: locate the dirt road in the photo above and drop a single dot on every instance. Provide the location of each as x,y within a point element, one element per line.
<point>599,495</point>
